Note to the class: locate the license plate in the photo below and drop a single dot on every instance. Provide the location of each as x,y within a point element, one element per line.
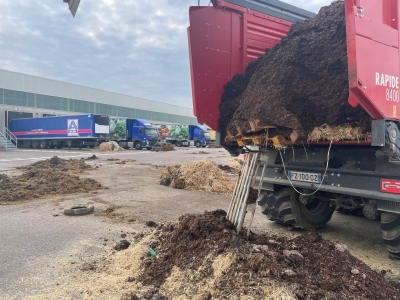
<point>303,176</point>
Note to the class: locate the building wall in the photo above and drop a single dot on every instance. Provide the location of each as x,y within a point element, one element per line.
<point>28,93</point>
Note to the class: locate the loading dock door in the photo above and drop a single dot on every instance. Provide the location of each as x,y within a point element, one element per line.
<point>11,115</point>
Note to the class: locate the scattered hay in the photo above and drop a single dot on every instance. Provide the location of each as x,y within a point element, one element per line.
<point>336,133</point>
<point>162,146</point>
<point>204,175</point>
<point>109,147</point>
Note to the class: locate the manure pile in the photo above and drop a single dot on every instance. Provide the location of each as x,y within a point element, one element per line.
<point>201,257</point>
<point>50,177</point>
<point>204,175</point>
<point>299,84</point>
<point>162,146</point>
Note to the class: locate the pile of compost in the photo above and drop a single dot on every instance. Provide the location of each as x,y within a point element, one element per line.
<point>201,257</point>
<point>47,178</point>
<point>299,84</point>
<point>204,175</point>
<point>162,146</point>
<point>58,164</point>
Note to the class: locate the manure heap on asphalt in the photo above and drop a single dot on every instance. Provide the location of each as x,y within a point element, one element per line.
<point>50,177</point>
<point>201,257</point>
<point>299,84</point>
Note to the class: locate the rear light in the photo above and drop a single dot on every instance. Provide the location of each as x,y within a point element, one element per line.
<point>390,186</point>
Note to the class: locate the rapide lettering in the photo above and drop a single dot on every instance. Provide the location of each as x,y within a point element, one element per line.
<point>392,86</point>
<point>387,80</point>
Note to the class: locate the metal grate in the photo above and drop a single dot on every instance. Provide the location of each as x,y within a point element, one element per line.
<point>389,205</point>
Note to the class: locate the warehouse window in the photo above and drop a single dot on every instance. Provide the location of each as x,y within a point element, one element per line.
<point>15,98</point>
<point>79,106</point>
<point>51,102</point>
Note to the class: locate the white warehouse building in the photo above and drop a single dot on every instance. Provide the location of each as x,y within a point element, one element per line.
<point>27,96</point>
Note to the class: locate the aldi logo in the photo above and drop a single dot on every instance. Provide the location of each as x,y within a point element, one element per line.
<point>72,128</point>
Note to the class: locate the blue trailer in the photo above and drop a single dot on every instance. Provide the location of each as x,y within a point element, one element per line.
<point>61,131</point>
<point>133,133</point>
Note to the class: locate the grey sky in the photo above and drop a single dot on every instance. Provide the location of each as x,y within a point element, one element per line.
<point>132,47</point>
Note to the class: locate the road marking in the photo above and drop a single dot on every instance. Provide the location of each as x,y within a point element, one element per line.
<point>71,156</point>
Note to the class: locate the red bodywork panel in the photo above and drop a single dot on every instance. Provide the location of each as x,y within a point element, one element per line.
<point>224,38</point>
<point>373,56</point>
<point>222,41</point>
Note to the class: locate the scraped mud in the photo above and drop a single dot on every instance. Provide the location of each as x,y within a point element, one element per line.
<point>298,85</point>
<point>213,262</point>
<point>47,178</point>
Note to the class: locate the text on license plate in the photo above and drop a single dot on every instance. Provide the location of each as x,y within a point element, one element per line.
<point>302,176</point>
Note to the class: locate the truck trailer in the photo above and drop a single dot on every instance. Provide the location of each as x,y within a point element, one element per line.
<point>133,133</point>
<point>302,185</point>
<point>183,135</point>
<point>61,131</point>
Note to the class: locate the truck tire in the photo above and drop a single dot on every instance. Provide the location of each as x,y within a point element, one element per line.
<point>91,146</point>
<point>179,144</point>
<point>78,210</point>
<point>138,145</point>
<point>59,145</point>
<point>35,144</point>
<point>390,225</point>
<point>197,144</point>
<point>285,208</point>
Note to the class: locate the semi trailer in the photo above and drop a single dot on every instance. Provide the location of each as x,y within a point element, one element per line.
<point>133,133</point>
<point>302,185</point>
<point>184,135</point>
<point>61,131</point>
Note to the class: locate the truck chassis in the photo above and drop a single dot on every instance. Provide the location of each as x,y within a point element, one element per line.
<point>303,185</point>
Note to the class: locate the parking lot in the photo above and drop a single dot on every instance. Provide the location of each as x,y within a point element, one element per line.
<point>42,250</point>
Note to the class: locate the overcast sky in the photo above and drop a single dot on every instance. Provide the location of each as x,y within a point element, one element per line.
<point>132,47</point>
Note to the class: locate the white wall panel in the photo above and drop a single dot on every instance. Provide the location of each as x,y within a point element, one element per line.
<point>28,83</point>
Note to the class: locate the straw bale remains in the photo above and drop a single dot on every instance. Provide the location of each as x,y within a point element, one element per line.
<point>109,147</point>
<point>204,175</point>
<point>336,133</point>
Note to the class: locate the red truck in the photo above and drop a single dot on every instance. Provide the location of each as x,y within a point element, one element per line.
<point>305,190</point>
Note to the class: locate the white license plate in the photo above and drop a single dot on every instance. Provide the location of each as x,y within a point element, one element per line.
<point>303,176</point>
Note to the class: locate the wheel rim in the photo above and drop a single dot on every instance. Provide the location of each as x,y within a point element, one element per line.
<point>315,207</point>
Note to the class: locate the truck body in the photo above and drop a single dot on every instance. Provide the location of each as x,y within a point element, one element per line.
<point>61,131</point>
<point>301,186</point>
<point>183,135</point>
<point>133,133</point>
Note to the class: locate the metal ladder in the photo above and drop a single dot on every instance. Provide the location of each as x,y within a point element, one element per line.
<point>8,140</point>
<point>239,205</point>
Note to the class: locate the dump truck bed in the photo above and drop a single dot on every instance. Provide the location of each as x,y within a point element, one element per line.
<point>225,38</point>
